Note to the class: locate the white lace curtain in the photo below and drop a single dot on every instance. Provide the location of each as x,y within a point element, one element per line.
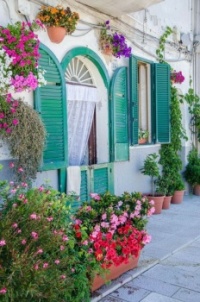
<point>81,102</point>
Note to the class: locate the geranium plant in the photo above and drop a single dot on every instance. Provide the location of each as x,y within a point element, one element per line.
<point>39,260</point>
<point>177,77</point>
<point>19,55</point>
<point>58,16</point>
<point>113,227</point>
<point>113,41</point>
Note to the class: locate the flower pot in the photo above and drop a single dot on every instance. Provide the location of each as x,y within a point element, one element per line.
<point>178,196</point>
<point>56,33</point>
<point>107,51</point>
<point>158,202</point>
<point>166,202</point>
<point>115,272</point>
<point>142,141</point>
<point>196,190</point>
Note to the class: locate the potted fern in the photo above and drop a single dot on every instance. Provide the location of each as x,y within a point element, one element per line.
<point>151,168</point>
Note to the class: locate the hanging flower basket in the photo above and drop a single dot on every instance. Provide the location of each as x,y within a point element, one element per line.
<point>58,21</point>
<point>113,43</point>
<point>56,33</point>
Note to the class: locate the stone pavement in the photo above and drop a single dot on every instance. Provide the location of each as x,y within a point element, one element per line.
<point>169,266</point>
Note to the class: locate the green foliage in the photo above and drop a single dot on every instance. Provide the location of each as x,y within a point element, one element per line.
<point>151,168</point>
<point>162,41</point>
<point>25,140</point>
<point>192,169</point>
<point>40,259</point>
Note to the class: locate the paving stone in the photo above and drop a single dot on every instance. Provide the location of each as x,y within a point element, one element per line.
<point>130,293</point>
<point>154,285</point>
<point>186,295</point>
<point>154,297</point>
<point>180,262</point>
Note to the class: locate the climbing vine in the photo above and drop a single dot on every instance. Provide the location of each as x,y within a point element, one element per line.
<point>162,41</point>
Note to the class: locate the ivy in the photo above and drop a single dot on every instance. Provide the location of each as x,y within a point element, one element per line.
<point>162,41</point>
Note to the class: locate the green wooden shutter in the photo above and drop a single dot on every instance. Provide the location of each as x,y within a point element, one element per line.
<point>84,196</point>
<point>119,115</point>
<point>50,102</point>
<point>133,68</point>
<point>161,106</point>
<point>101,179</point>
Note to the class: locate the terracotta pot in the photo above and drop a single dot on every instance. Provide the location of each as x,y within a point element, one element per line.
<point>56,33</point>
<point>142,141</point>
<point>178,196</point>
<point>166,202</point>
<point>107,51</point>
<point>114,272</point>
<point>158,202</point>
<point>196,190</point>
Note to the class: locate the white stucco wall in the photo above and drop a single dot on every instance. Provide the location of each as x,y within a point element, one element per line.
<point>153,22</point>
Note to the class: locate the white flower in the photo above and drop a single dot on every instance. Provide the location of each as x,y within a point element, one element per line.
<point>5,71</point>
<point>40,78</point>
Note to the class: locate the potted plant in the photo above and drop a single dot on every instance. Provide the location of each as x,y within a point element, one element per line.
<point>192,171</point>
<point>163,187</point>
<point>143,136</point>
<point>59,21</point>
<point>151,168</point>
<point>112,42</point>
<point>112,228</point>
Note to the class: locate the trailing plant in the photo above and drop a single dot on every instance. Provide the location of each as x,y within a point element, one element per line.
<point>113,41</point>
<point>40,259</point>
<point>151,168</point>
<point>162,41</point>
<point>19,57</point>
<point>23,131</point>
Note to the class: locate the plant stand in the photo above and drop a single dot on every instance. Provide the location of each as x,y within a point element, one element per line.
<point>115,272</point>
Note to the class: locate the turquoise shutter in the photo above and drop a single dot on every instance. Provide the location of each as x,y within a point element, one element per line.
<point>101,178</point>
<point>50,102</point>
<point>161,102</point>
<point>133,68</point>
<point>119,116</point>
<point>84,196</point>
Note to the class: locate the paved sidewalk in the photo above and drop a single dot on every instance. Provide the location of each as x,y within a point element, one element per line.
<point>169,267</point>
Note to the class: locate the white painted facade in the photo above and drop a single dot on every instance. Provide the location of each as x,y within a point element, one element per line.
<point>142,29</point>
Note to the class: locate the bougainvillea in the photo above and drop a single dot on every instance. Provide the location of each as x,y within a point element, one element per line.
<point>177,77</point>
<point>21,45</point>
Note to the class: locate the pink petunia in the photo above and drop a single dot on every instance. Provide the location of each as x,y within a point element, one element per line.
<point>23,242</point>
<point>45,265</point>
<point>65,238</point>
<point>63,277</point>
<point>57,261</point>
<point>34,235</point>
<point>15,225</point>
<point>33,216</point>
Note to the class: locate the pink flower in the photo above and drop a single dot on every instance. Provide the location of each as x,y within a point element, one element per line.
<point>23,241</point>
<point>15,122</point>
<point>11,165</point>
<point>25,200</point>
<point>105,224</point>
<point>85,242</point>
<point>19,231</point>
<point>15,225</point>
<point>72,270</point>
<point>40,251</point>
<point>14,205</point>
<point>65,238</point>
<point>2,242</point>
<point>95,196</point>
<point>41,188</point>
<point>45,265</point>
<point>63,277</point>
<point>49,219</point>
<point>104,216</point>
<point>62,247</point>
<point>120,203</point>
<point>33,216</point>
<point>13,191</point>
<point>88,208</point>
<point>57,261</point>
<point>3,291</point>
<point>34,235</point>
<point>146,239</point>
<point>36,266</point>
<point>24,184</point>
<point>78,221</point>
<point>20,170</point>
